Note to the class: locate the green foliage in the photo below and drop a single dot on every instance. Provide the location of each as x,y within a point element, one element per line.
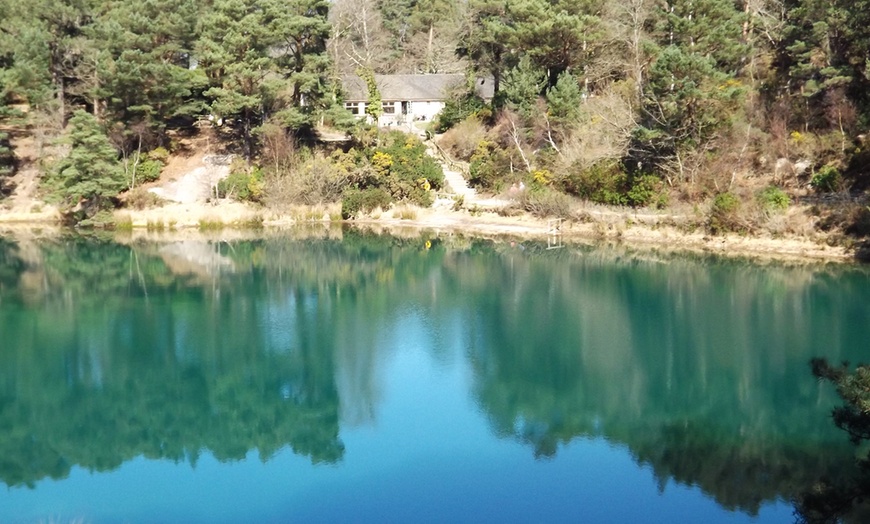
<point>773,199</point>
<point>725,214</point>
<point>91,175</point>
<point>688,98</point>
<point>245,185</point>
<point>823,56</point>
<point>149,170</point>
<point>459,107</point>
<point>405,170</point>
<point>374,104</point>
<point>359,201</point>
<point>523,85</point>
<point>827,179</point>
<point>564,100</point>
<point>604,182</point>
<point>646,190</point>
<point>489,165</point>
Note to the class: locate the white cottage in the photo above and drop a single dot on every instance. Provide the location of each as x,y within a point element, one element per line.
<point>408,98</point>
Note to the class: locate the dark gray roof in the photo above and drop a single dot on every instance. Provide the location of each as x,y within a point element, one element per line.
<point>415,88</point>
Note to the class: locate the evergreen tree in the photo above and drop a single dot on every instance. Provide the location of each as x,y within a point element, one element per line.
<point>825,49</point>
<point>300,29</point>
<point>559,35</point>
<point>90,175</point>
<point>485,39</point>
<point>523,86</point>
<point>234,51</point>
<point>564,100</point>
<point>140,68</point>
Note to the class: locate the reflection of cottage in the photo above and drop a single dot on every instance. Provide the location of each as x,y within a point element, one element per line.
<point>408,98</point>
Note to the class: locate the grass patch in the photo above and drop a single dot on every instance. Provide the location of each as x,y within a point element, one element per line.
<point>405,213</point>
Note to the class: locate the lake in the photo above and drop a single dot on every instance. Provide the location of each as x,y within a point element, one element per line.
<point>345,376</point>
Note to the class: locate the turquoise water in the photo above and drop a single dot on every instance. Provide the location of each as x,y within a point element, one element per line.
<point>362,378</point>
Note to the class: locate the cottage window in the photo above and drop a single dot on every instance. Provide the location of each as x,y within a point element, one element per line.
<point>389,108</point>
<point>353,107</point>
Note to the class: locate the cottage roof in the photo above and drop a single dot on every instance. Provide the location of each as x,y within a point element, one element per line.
<point>412,88</point>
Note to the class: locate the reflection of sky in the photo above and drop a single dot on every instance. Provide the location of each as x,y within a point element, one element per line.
<point>428,455</point>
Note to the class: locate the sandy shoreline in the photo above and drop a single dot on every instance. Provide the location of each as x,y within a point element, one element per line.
<point>191,220</point>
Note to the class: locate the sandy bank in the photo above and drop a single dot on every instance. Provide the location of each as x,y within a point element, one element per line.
<point>187,220</point>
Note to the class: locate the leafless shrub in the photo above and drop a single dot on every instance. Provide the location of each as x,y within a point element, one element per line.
<point>462,140</point>
<point>316,181</point>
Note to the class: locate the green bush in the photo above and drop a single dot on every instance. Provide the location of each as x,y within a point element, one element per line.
<point>405,170</point>
<point>489,165</point>
<point>244,186</point>
<point>604,182</point>
<point>356,201</point>
<point>827,179</point>
<point>646,190</point>
<point>149,170</point>
<point>457,108</point>
<point>160,154</point>
<point>724,214</point>
<point>773,199</point>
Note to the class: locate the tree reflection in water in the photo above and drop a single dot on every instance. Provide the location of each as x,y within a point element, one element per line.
<point>696,365</point>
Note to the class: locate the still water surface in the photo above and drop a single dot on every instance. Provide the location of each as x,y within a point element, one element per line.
<point>360,378</point>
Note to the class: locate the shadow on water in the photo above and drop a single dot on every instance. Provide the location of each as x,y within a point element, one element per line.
<point>167,350</point>
<point>845,498</point>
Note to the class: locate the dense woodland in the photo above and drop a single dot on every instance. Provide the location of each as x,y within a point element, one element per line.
<point>739,104</point>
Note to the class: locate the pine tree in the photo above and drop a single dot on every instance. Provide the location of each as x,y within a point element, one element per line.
<point>90,175</point>
<point>234,52</point>
<point>523,86</point>
<point>300,29</point>
<point>139,69</point>
<point>564,100</point>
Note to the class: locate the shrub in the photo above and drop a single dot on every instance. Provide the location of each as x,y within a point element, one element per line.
<point>827,179</point>
<point>724,214</point>
<point>489,164</point>
<point>462,140</point>
<point>604,182</point>
<point>102,219</point>
<point>140,198</point>
<point>545,203</point>
<point>646,190</point>
<point>316,181</point>
<point>160,154</point>
<point>772,200</point>
<point>458,107</point>
<point>149,170</point>
<point>244,186</point>
<point>357,201</point>
<point>405,170</point>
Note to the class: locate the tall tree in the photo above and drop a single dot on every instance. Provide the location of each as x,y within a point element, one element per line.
<point>558,34</point>
<point>300,29</point>
<point>91,175</point>
<point>823,55</point>
<point>138,70</point>
<point>234,51</point>
<point>485,38</point>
